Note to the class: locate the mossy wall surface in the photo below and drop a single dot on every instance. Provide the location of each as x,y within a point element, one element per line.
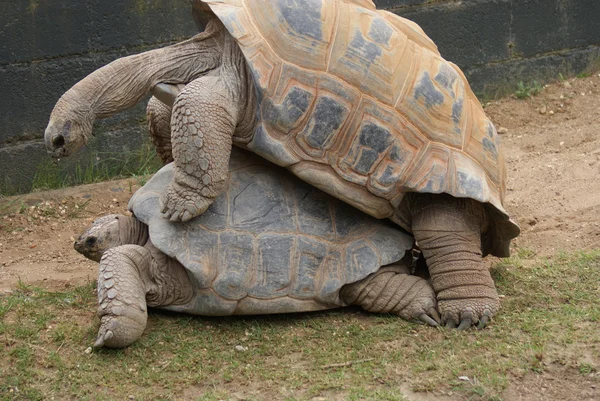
<point>47,46</point>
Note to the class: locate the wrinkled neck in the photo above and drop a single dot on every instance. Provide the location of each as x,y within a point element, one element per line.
<point>124,82</point>
<point>132,231</point>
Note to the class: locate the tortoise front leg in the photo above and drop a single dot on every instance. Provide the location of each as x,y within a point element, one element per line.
<point>122,296</point>
<point>131,278</point>
<point>202,125</point>
<point>448,231</point>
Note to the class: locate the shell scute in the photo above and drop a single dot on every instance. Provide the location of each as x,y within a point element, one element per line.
<point>382,148</point>
<point>370,54</point>
<point>308,25</point>
<point>483,145</point>
<point>331,277</point>
<point>208,303</point>
<point>236,253</point>
<point>335,106</point>
<point>314,212</point>
<point>273,274</point>
<point>265,145</point>
<point>433,172</point>
<point>435,103</point>
<point>370,144</point>
<point>308,260</point>
<point>360,257</point>
<point>257,203</point>
<point>290,101</point>
<point>349,225</point>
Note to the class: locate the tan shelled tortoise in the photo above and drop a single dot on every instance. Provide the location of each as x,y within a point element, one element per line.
<point>355,101</point>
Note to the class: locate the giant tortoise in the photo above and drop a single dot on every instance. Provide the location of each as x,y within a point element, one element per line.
<point>270,244</point>
<point>355,101</point>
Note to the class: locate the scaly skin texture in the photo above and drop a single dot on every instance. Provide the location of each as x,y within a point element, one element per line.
<point>122,296</point>
<point>131,278</point>
<point>159,125</point>
<point>202,128</point>
<point>133,275</point>
<point>393,290</point>
<point>448,231</point>
<point>206,115</point>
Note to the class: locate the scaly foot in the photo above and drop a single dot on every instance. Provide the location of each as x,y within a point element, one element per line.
<point>180,203</point>
<point>465,313</point>
<point>117,331</point>
<point>422,306</point>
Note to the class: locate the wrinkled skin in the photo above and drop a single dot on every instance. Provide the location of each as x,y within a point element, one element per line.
<point>215,110</point>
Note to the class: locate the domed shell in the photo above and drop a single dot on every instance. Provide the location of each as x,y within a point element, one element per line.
<point>359,103</point>
<point>271,243</point>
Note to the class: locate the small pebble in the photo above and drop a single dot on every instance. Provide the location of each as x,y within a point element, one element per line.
<point>241,348</point>
<point>503,131</point>
<point>88,350</point>
<point>463,378</point>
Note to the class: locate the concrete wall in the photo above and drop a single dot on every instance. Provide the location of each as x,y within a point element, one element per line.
<point>48,45</point>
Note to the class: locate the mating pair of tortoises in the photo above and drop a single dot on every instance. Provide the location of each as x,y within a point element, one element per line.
<point>355,101</point>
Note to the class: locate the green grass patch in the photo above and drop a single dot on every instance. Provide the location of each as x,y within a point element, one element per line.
<point>550,315</point>
<point>51,174</point>
<point>100,167</point>
<point>525,91</point>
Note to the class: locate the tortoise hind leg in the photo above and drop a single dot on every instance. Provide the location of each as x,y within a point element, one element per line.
<point>448,231</point>
<point>392,290</point>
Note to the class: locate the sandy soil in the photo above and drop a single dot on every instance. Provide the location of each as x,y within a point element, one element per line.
<point>552,146</point>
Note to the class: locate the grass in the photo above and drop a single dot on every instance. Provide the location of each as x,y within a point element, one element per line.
<point>100,167</point>
<point>550,315</point>
<point>525,91</point>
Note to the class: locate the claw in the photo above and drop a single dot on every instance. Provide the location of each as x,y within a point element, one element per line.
<point>428,320</point>
<point>450,324</point>
<point>102,337</point>
<point>483,322</point>
<point>465,324</point>
<point>435,315</point>
<point>166,212</point>
<point>186,216</point>
<point>164,207</point>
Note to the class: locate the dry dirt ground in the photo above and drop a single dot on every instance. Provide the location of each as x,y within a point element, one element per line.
<point>552,147</point>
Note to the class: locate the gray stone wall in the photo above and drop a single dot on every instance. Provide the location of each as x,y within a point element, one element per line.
<point>498,43</point>
<point>47,46</point>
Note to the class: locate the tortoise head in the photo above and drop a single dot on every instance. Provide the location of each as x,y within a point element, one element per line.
<point>69,128</point>
<point>103,234</point>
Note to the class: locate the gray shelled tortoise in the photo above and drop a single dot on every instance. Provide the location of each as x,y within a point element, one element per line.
<point>269,244</point>
<point>355,101</point>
